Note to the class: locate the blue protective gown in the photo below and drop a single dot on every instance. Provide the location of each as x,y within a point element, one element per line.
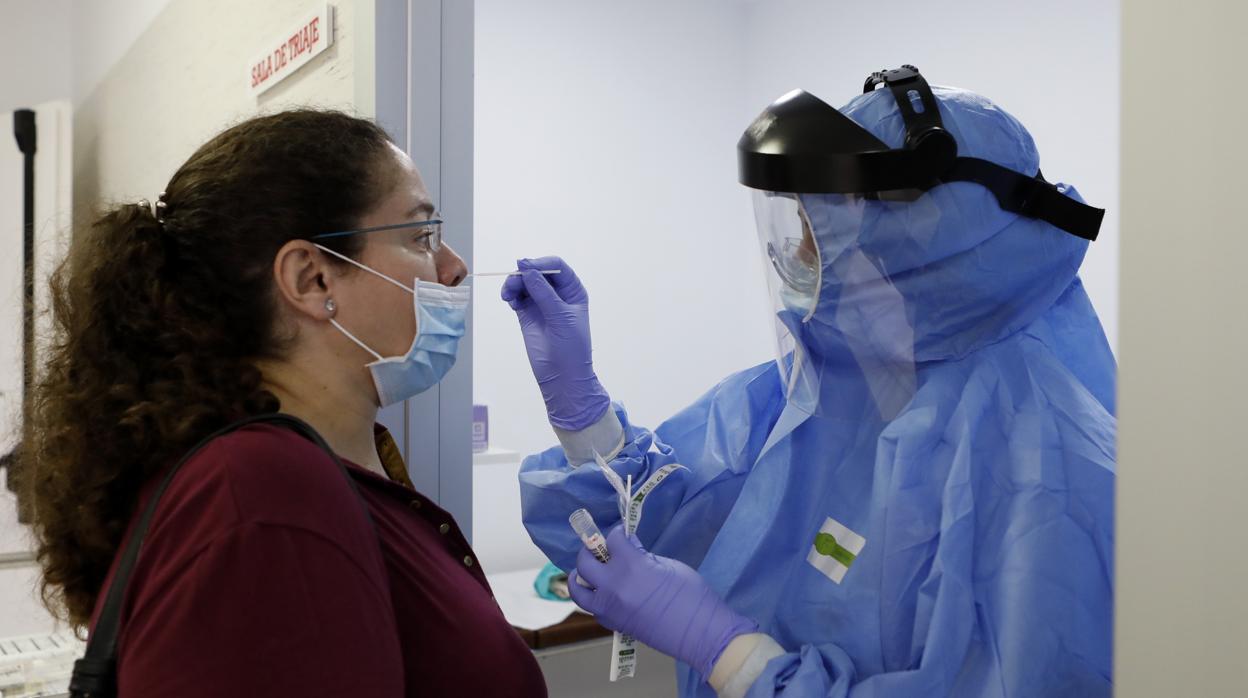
<point>985,499</point>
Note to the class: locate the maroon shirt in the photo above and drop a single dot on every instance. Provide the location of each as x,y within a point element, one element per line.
<point>260,575</point>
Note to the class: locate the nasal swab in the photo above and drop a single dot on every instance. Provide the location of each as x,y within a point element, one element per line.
<point>512,273</point>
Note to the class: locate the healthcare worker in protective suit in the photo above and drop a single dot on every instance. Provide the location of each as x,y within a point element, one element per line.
<point>916,497</point>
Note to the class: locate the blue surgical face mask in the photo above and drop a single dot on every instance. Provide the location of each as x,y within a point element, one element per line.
<point>441,315</point>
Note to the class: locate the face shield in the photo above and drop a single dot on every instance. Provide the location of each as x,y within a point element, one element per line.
<point>834,303</point>
<point>841,217</point>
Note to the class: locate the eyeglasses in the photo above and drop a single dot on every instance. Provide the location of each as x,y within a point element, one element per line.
<point>431,232</point>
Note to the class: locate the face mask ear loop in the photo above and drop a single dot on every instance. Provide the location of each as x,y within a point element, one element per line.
<point>353,339</point>
<point>370,270</point>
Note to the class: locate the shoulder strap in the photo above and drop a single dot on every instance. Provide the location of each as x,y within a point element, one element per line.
<point>95,675</point>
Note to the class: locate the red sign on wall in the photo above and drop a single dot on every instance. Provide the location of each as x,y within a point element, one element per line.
<point>283,56</point>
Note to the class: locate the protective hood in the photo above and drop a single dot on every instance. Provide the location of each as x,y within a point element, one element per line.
<point>902,283</point>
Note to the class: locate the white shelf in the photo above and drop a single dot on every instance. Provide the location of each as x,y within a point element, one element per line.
<point>494,456</point>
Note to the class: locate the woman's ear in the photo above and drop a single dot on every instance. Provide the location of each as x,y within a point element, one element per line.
<point>304,278</point>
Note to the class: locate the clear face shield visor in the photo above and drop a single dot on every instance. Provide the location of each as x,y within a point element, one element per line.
<point>832,294</point>
<point>791,266</point>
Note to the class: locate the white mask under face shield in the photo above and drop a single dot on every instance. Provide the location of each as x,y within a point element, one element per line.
<point>788,246</point>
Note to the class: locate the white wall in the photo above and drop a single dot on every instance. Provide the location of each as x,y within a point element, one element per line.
<point>1182,612</point>
<point>606,134</point>
<point>35,55</point>
<point>183,79</point>
<point>62,49</point>
<point>103,32</point>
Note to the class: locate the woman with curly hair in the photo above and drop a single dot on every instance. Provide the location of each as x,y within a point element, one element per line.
<point>274,275</point>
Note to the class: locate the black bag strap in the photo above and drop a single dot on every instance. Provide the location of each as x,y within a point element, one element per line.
<point>95,675</point>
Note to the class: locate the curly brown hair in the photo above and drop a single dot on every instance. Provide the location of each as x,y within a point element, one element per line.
<point>159,326</point>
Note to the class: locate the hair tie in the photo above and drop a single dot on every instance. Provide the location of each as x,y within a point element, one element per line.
<point>156,208</point>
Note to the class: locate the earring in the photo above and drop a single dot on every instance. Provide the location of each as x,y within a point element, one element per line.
<point>330,306</point>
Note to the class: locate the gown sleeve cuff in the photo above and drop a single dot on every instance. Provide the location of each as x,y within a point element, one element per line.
<point>752,666</point>
<point>605,437</point>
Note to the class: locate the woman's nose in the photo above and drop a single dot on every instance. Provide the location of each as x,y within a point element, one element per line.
<point>451,268</point>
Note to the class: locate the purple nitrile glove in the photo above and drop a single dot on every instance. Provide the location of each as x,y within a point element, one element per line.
<point>660,601</point>
<point>554,319</point>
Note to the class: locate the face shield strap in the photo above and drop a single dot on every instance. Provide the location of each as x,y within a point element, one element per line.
<point>916,103</point>
<point>1015,192</point>
<point>1029,196</point>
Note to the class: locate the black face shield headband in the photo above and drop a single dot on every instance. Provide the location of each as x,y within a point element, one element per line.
<point>801,145</point>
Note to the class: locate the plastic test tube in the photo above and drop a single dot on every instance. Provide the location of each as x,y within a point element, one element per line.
<point>585,527</point>
<point>623,647</point>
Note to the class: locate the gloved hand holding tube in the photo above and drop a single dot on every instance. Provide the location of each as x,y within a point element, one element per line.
<point>662,602</point>
<point>554,318</point>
